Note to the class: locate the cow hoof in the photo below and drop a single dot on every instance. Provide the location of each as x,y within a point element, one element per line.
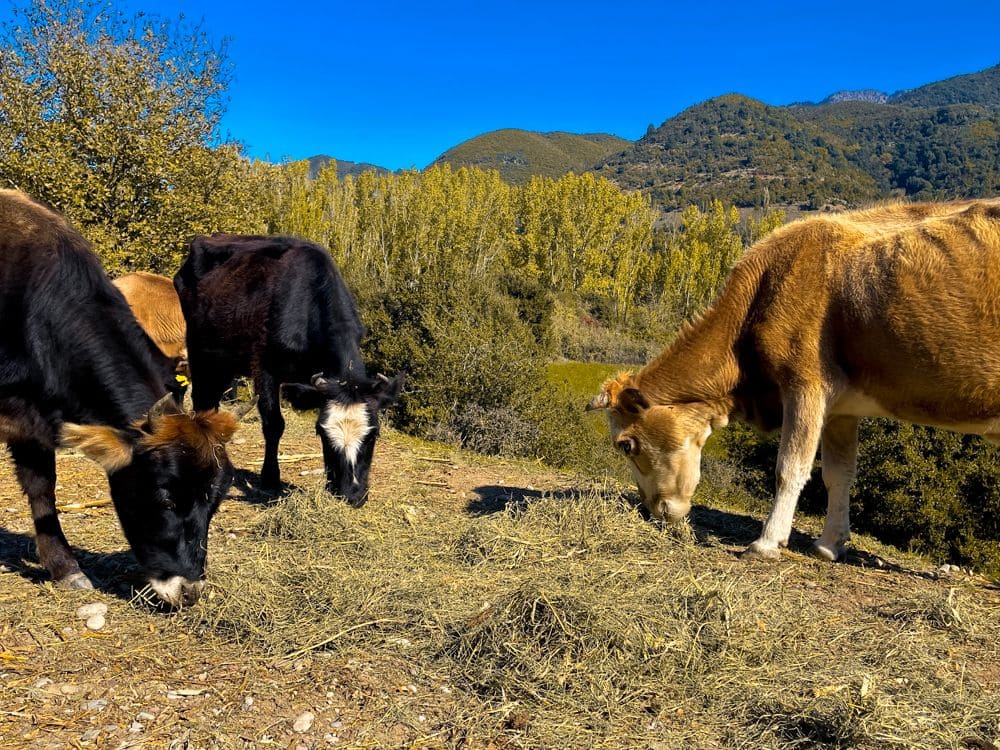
<point>758,551</point>
<point>74,581</point>
<point>830,554</point>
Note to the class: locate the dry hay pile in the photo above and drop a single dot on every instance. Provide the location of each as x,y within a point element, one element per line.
<point>571,622</point>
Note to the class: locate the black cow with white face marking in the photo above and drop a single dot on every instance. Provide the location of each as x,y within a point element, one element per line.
<point>76,369</point>
<point>277,309</point>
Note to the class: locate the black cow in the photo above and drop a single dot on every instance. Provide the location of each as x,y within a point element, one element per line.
<point>76,368</point>
<point>277,309</point>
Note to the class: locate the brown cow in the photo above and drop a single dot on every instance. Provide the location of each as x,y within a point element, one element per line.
<point>889,312</point>
<point>155,305</point>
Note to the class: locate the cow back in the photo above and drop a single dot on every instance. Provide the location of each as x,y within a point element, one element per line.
<point>276,301</point>
<point>68,342</point>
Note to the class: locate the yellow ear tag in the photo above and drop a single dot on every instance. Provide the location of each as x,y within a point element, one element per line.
<point>182,379</point>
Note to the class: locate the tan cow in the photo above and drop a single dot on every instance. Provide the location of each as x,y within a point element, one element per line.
<point>155,305</point>
<point>890,312</point>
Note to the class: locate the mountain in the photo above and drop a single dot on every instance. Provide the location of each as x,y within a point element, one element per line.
<point>982,88</point>
<point>937,141</point>
<point>865,95</point>
<point>520,154</point>
<point>344,167</point>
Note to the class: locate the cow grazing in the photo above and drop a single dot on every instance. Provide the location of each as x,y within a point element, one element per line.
<point>890,312</point>
<point>154,303</point>
<point>277,309</point>
<point>76,369</point>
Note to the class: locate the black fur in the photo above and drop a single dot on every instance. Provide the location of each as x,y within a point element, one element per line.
<point>277,309</point>
<point>71,351</point>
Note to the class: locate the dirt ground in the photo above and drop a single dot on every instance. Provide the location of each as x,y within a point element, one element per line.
<point>147,679</point>
<point>59,688</point>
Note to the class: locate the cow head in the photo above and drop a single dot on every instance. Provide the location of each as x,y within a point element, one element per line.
<point>167,474</point>
<point>662,443</point>
<point>347,426</point>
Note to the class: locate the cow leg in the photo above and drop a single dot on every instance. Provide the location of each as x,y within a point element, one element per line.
<point>36,471</point>
<point>273,425</point>
<point>208,384</point>
<point>802,423</point>
<point>840,459</point>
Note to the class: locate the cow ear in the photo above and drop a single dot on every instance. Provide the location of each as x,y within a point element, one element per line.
<point>631,401</point>
<point>302,397</point>
<point>387,391</point>
<point>104,445</point>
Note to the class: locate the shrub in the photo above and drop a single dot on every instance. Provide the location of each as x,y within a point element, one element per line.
<point>931,490</point>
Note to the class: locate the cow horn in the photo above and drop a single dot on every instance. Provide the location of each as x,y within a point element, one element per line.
<point>165,406</point>
<point>600,401</point>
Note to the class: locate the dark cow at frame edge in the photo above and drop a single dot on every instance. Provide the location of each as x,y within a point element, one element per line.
<point>76,369</point>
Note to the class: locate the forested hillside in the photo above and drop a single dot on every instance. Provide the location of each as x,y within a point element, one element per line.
<point>938,141</point>
<point>520,154</point>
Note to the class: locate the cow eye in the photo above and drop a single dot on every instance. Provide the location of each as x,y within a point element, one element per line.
<point>628,445</point>
<point>164,499</point>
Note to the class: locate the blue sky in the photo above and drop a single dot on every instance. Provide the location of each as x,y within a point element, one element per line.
<point>396,84</point>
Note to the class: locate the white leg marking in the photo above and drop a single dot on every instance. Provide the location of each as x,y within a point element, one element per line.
<point>801,425</point>
<point>840,458</point>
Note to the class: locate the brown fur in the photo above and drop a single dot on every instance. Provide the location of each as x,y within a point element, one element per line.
<point>205,433</point>
<point>890,311</point>
<point>104,445</point>
<point>155,305</point>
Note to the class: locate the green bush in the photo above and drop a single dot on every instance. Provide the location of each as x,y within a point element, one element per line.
<point>933,491</point>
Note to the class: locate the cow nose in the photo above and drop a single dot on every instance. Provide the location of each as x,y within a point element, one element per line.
<point>178,591</point>
<point>191,592</point>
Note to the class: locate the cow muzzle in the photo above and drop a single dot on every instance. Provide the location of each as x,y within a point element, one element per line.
<point>177,591</point>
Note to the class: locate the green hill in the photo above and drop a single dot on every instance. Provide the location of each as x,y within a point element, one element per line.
<point>344,167</point>
<point>520,154</point>
<point>741,150</point>
<point>938,141</point>
<point>982,88</point>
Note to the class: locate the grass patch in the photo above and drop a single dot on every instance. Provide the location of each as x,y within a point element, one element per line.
<point>568,621</point>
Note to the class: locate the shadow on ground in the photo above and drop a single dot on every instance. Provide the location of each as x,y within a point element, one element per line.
<point>493,498</point>
<point>712,527</point>
<point>249,489</point>
<point>115,573</point>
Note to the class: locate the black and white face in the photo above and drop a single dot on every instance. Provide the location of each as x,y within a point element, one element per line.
<point>167,477</point>
<point>348,433</point>
<point>348,427</point>
<point>165,500</point>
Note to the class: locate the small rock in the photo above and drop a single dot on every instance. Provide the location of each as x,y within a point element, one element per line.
<point>304,722</point>
<point>247,703</point>
<point>90,735</point>
<point>331,739</point>
<point>96,705</point>
<point>68,689</point>
<point>135,727</point>
<point>145,716</point>
<point>44,682</point>
<point>89,610</point>
<point>95,622</point>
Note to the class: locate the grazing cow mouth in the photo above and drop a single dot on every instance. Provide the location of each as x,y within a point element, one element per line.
<point>177,591</point>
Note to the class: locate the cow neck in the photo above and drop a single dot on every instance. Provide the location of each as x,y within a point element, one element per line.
<point>702,363</point>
